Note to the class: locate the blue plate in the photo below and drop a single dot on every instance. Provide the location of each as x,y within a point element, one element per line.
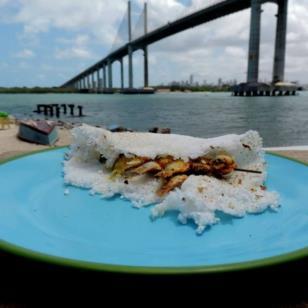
<point>38,220</point>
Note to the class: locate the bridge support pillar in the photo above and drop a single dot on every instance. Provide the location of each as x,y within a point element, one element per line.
<point>122,73</point>
<point>92,82</point>
<point>254,41</point>
<point>104,77</point>
<point>109,74</point>
<point>98,81</point>
<point>146,67</point>
<point>88,82</point>
<point>130,49</point>
<point>145,48</point>
<point>280,42</point>
<point>130,67</point>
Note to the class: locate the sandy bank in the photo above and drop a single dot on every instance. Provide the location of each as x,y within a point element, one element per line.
<point>10,145</point>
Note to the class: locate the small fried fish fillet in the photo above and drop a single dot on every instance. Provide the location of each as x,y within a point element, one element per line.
<point>174,182</point>
<point>148,167</point>
<point>177,166</point>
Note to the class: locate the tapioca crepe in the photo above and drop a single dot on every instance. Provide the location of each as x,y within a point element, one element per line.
<point>196,177</point>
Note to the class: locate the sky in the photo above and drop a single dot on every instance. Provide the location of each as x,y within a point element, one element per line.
<point>46,42</point>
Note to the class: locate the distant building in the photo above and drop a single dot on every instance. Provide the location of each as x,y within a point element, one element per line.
<point>219,83</point>
<point>191,80</point>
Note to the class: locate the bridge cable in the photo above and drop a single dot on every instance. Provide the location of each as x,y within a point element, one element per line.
<point>121,37</point>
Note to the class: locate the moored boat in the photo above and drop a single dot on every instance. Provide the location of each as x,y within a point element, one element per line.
<point>42,132</point>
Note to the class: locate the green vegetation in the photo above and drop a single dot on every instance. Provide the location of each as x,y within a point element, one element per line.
<point>36,90</point>
<point>3,114</point>
<point>171,88</point>
<point>224,88</point>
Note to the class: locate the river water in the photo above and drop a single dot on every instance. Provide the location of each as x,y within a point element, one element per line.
<point>281,121</point>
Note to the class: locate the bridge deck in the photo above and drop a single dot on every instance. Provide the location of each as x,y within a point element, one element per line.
<point>205,15</point>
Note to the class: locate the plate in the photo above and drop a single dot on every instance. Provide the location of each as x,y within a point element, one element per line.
<point>40,221</point>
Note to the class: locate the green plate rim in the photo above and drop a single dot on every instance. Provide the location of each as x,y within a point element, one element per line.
<point>202,269</point>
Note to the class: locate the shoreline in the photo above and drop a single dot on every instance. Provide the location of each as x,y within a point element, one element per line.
<point>11,145</point>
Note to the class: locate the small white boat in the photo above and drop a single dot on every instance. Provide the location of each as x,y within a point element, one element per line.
<point>41,131</point>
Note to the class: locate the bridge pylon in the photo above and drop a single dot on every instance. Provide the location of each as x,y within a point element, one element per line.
<point>145,48</point>
<point>130,49</point>
<point>280,41</point>
<point>254,41</point>
<point>253,87</point>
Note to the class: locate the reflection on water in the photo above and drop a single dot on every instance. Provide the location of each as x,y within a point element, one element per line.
<point>280,120</point>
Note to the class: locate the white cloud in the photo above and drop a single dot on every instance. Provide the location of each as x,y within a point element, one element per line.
<point>98,17</point>
<point>79,40</point>
<point>76,48</point>
<point>74,52</point>
<point>216,49</point>
<point>25,54</point>
<point>235,51</point>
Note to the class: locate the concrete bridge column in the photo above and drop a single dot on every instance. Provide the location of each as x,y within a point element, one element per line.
<point>122,73</point>
<point>104,77</point>
<point>109,74</point>
<point>146,67</point>
<point>280,42</point>
<point>254,41</point>
<point>130,67</point>
<point>98,80</point>
<point>145,49</point>
<point>88,82</point>
<point>130,49</point>
<point>92,81</point>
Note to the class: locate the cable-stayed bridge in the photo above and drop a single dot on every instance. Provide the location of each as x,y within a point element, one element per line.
<point>98,77</point>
